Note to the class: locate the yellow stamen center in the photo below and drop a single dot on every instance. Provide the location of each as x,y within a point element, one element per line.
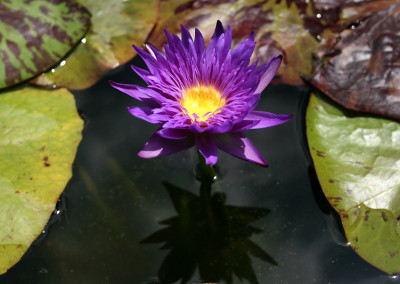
<point>203,101</point>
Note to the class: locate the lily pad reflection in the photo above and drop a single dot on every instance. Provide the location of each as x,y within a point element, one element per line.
<point>209,235</point>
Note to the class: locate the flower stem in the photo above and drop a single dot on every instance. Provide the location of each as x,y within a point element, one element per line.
<point>206,175</point>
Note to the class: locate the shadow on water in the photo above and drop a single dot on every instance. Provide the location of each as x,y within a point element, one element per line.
<point>208,235</point>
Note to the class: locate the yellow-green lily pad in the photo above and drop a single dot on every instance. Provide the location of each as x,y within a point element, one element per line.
<point>39,134</point>
<point>116,25</point>
<point>357,160</point>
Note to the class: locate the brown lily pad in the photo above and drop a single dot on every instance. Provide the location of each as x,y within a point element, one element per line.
<point>337,15</point>
<point>361,69</point>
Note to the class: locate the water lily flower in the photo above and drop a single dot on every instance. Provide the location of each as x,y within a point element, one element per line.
<point>203,96</point>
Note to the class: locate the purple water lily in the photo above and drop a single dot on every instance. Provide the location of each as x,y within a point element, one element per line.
<point>203,96</point>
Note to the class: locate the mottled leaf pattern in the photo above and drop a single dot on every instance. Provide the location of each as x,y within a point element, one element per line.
<point>361,71</point>
<point>39,134</point>
<point>35,35</point>
<point>357,160</point>
<point>116,25</point>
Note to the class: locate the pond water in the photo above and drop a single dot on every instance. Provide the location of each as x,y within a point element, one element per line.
<point>115,200</point>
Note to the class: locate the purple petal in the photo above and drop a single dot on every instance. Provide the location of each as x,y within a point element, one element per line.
<point>244,125</point>
<point>133,91</point>
<point>171,133</point>
<point>194,127</point>
<point>219,29</point>
<point>147,114</point>
<point>272,67</point>
<point>158,146</point>
<point>244,51</point>
<point>186,36</point>
<point>170,41</point>
<point>189,44</point>
<point>207,148</point>
<point>144,74</point>
<point>158,55</point>
<point>253,102</point>
<point>238,145</point>
<point>148,59</point>
<point>216,48</point>
<point>156,96</point>
<point>223,128</point>
<point>265,119</point>
<point>199,43</point>
<point>228,38</point>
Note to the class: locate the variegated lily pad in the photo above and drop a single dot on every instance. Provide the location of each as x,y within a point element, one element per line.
<point>116,25</point>
<point>35,35</point>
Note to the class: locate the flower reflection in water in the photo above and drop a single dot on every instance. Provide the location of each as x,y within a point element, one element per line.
<point>209,235</point>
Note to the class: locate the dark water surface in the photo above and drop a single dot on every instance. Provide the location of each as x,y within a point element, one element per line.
<point>116,199</point>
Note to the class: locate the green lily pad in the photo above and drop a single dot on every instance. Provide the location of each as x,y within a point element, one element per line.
<point>116,25</point>
<point>278,25</point>
<point>34,36</point>
<point>357,160</point>
<point>39,134</point>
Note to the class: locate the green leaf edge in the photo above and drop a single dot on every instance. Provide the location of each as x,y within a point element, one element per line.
<point>77,126</point>
<point>360,216</point>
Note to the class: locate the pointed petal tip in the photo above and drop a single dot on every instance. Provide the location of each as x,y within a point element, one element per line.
<point>208,148</point>
<point>219,29</point>
<point>211,161</point>
<point>134,67</point>
<point>121,86</point>
<point>183,27</point>
<point>136,48</point>
<point>239,145</point>
<point>252,35</point>
<point>279,57</point>
<point>115,85</point>
<point>264,164</point>
<point>184,30</point>
<point>167,34</point>
<point>271,68</point>
<point>158,146</point>
<point>143,155</point>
